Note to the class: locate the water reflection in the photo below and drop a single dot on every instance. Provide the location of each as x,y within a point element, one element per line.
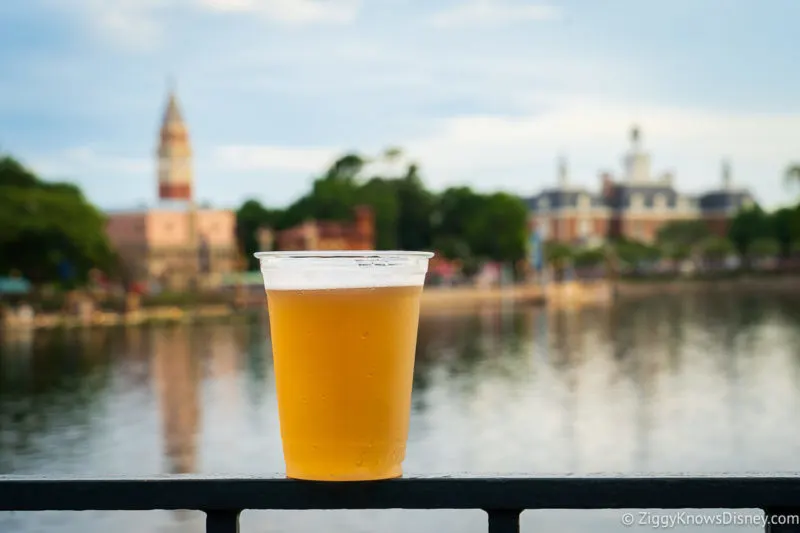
<point>176,377</point>
<point>691,383</point>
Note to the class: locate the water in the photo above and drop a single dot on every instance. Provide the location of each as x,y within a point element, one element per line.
<point>691,383</point>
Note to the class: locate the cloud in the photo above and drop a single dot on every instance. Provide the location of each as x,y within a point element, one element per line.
<point>518,153</point>
<point>132,24</point>
<point>85,160</point>
<point>106,178</point>
<point>255,158</point>
<point>489,12</point>
<point>141,25</point>
<point>293,12</point>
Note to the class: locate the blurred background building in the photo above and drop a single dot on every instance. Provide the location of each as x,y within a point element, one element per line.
<point>175,244</point>
<point>634,206</point>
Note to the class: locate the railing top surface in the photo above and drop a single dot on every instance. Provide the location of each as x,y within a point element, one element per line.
<point>33,493</point>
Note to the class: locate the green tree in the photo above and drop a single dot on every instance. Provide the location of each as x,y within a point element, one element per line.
<point>503,228</point>
<point>558,254</point>
<point>590,257</point>
<point>786,226</point>
<point>332,197</point>
<point>680,239</point>
<point>492,226</point>
<point>249,218</point>
<point>459,222</point>
<point>48,230</point>
<point>716,248</point>
<point>380,194</point>
<point>633,253</point>
<point>764,248</point>
<point>415,209</point>
<point>747,226</point>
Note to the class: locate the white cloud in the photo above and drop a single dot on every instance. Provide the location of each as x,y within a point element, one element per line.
<point>107,179</point>
<point>141,25</point>
<point>518,153</point>
<point>492,12</point>
<point>295,12</point>
<point>133,24</point>
<point>254,158</point>
<point>73,163</point>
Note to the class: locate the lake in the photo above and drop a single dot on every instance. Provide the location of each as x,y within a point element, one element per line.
<point>693,383</point>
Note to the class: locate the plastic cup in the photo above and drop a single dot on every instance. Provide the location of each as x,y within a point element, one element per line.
<point>343,326</point>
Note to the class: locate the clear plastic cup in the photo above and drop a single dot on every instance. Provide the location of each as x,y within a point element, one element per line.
<point>344,331</point>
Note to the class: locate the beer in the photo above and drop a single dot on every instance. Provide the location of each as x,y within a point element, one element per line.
<point>344,363</point>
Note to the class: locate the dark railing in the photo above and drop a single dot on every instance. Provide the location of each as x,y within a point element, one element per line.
<point>503,499</point>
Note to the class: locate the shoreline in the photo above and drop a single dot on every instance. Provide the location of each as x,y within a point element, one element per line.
<point>743,284</point>
<point>573,294</point>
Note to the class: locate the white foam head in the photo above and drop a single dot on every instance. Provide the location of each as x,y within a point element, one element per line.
<point>342,269</point>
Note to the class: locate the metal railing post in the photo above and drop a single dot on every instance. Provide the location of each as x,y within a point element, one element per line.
<point>503,521</point>
<point>222,521</point>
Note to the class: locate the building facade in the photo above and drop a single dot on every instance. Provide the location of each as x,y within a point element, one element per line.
<point>174,245</point>
<point>331,235</point>
<point>635,206</point>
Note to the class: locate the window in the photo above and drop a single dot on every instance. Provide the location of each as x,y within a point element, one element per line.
<point>747,202</point>
<point>544,202</point>
<point>584,202</point>
<point>660,201</point>
<point>637,200</point>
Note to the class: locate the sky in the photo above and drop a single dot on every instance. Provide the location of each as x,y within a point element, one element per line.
<point>487,93</point>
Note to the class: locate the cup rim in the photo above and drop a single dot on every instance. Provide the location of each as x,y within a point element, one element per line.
<point>323,254</point>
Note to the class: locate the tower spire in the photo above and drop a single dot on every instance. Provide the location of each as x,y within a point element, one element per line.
<point>636,136</point>
<point>563,173</point>
<point>174,154</point>
<point>727,178</point>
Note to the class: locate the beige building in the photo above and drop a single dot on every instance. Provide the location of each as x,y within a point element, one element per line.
<point>179,245</point>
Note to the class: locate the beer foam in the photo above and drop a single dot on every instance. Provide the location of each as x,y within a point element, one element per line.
<point>342,270</point>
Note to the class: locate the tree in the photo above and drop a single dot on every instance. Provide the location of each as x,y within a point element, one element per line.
<point>634,253</point>
<point>716,248</point>
<point>680,239</point>
<point>48,231</point>
<point>459,222</point>
<point>380,194</point>
<point>590,257</point>
<point>415,207</point>
<point>493,226</point>
<point>786,226</point>
<point>747,226</point>
<point>250,217</point>
<point>503,229</point>
<point>764,248</point>
<point>557,254</point>
<point>346,168</point>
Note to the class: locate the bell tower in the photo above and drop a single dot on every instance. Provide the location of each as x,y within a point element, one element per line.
<point>175,184</point>
<point>174,155</point>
